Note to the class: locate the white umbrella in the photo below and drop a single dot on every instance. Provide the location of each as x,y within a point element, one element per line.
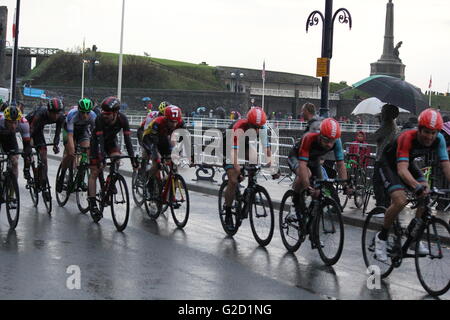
<point>372,106</point>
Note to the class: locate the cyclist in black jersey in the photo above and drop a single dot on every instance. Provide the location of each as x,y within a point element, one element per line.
<point>399,172</point>
<point>104,142</point>
<point>38,119</point>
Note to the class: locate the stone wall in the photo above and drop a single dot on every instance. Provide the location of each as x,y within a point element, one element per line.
<point>190,100</point>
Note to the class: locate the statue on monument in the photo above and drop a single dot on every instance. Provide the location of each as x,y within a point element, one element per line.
<point>396,52</point>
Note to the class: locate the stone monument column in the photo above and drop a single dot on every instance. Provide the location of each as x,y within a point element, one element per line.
<point>389,63</point>
<point>3,28</point>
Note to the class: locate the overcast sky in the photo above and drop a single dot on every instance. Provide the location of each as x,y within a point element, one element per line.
<point>243,33</point>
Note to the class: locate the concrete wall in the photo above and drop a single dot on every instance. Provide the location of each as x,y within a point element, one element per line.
<point>190,100</point>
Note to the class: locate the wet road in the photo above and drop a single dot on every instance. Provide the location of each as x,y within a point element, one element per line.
<point>154,260</point>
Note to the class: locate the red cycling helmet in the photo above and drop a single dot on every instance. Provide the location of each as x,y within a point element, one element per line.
<point>173,113</point>
<point>330,129</point>
<point>431,119</point>
<point>55,105</point>
<point>256,116</point>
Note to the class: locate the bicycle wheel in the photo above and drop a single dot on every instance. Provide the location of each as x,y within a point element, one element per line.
<point>371,227</point>
<point>260,211</point>
<point>152,195</point>
<point>11,197</point>
<point>329,231</point>
<point>289,228</point>
<point>137,188</point>
<point>360,184</point>
<point>33,187</point>
<point>433,269</point>
<point>120,202</point>
<point>63,196</point>
<point>81,189</point>
<point>179,201</point>
<point>47,198</point>
<point>236,207</point>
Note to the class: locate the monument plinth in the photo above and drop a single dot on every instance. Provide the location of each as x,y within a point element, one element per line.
<point>389,64</point>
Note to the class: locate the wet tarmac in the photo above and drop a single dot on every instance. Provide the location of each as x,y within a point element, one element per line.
<point>155,260</point>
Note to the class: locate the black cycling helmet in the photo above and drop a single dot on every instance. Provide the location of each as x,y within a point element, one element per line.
<point>55,105</point>
<point>110,104</point>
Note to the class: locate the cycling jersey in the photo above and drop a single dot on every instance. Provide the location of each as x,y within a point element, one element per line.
<point>148,119</point>
<point>104,137</point>
<point>159,127</point>
<point>244,126</point>
<point>310,149</point>
<point>38,119</point>
<point>406,148</point>
<point>8,139</point>
<point>75,122</point>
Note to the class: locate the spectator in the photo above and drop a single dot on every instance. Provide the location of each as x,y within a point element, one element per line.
<point>357,147</point>
<point>309,115</point>
<point>383,136</point>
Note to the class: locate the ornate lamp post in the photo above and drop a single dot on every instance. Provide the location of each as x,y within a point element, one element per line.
<point>236,76</point>
<point>327,44</point>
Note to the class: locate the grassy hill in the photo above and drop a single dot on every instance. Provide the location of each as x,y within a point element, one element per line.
<point>64,69</point>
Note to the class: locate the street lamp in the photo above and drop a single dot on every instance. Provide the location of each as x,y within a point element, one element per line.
<point>236,76</point>
<point>327,44</point>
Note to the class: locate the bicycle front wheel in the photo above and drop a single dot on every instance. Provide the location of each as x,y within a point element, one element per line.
<point>236,208</point>
<point>290,228</point>
<point>433,268</point>
<point>120,202</point>
<point>261,216</point>
<point>371,227</point>
<point>82,186</point>
<point>11,196</point>
<point>63,196</point>
<point>152,196</point>
<point>329,230</point>
<point>137,188</point>
<point>179,201</point>
<point>32,186</point>
<point>47,197</point>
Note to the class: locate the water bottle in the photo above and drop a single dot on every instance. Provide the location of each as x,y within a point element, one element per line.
<point>414,227</point>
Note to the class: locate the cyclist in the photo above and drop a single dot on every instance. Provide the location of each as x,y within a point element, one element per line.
<point>79,125</point>
<point>12,121</point>
<point>399,172</point>
<point>304,159</point>
<point>104,141</point>
<point>38,119</point>
<point>156,138</point>
<point>256,120</point>
<point>144,125</point>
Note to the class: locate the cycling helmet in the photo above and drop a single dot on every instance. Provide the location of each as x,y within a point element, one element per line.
<point>173,113</point>
<point>256,116</point>
<point>431,119</point>
<point>162,106</point>
<point>111,104</point>
<point>85,105</point>
<point>3,106</point>
<point>55,105</point>
<point>12,113</point>
<point>330,129</point>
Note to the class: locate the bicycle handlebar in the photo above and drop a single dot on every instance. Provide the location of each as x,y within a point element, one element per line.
<point>44,145</point>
